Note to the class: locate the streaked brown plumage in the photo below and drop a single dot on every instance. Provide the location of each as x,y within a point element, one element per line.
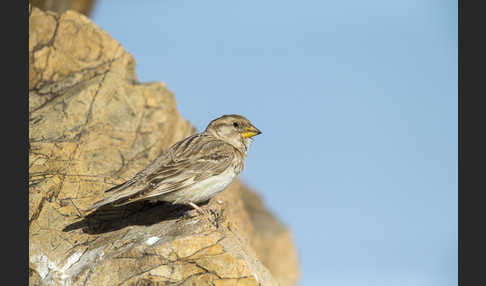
<point>192,170</point>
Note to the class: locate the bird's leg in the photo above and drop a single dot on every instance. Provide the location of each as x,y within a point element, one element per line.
<point>198,209</point>
<point>205,212</point>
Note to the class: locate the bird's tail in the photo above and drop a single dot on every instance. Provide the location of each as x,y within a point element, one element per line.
<point>118,192</point>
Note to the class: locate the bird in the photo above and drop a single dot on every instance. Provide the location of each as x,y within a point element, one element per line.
<point>192,170</point>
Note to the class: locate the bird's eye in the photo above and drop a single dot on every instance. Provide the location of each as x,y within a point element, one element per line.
<point>235,124</point>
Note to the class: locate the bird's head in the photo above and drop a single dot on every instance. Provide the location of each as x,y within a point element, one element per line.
<point>234,129</point>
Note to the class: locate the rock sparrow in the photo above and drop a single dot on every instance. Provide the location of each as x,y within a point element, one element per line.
<point>192,170</point>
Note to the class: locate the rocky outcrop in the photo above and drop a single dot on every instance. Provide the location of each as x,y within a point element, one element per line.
<point>59,6</point>
<point>93,125</point>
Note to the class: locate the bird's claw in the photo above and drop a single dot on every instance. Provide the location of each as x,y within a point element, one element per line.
<point>206,212</point>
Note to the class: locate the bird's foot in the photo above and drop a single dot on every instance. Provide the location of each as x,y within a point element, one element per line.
<point>206,212</point>
<point>202,211</point>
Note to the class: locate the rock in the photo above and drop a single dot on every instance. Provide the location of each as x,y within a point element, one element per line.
<point>93,125</point>
<point>271,240</point>
<point>59,6</point>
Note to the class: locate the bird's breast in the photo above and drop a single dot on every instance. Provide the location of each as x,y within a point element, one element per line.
<point>208,188</point>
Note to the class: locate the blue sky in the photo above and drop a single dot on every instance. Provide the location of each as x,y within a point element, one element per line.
<point>357,101</point>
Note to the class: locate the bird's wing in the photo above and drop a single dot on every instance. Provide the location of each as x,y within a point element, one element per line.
<point>187,162</point>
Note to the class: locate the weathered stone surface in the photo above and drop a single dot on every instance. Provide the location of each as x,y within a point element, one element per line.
<point>59,6</point>
<point>93,125</point>
<point>271,240</point>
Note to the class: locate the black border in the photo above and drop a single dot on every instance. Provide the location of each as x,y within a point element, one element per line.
<point>14,138</point>
<point>471,110</point>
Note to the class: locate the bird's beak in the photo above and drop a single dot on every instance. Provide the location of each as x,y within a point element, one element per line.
<point>250,131</point>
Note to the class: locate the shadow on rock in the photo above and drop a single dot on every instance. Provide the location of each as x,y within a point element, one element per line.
<point>108,218</point>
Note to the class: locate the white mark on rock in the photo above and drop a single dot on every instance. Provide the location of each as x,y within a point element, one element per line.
<point>193,222</point>
<point>52,274</point>
<point>152,240</point>
<point>42,265</point>
<point>71,260</point>
<point>86,259</point>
